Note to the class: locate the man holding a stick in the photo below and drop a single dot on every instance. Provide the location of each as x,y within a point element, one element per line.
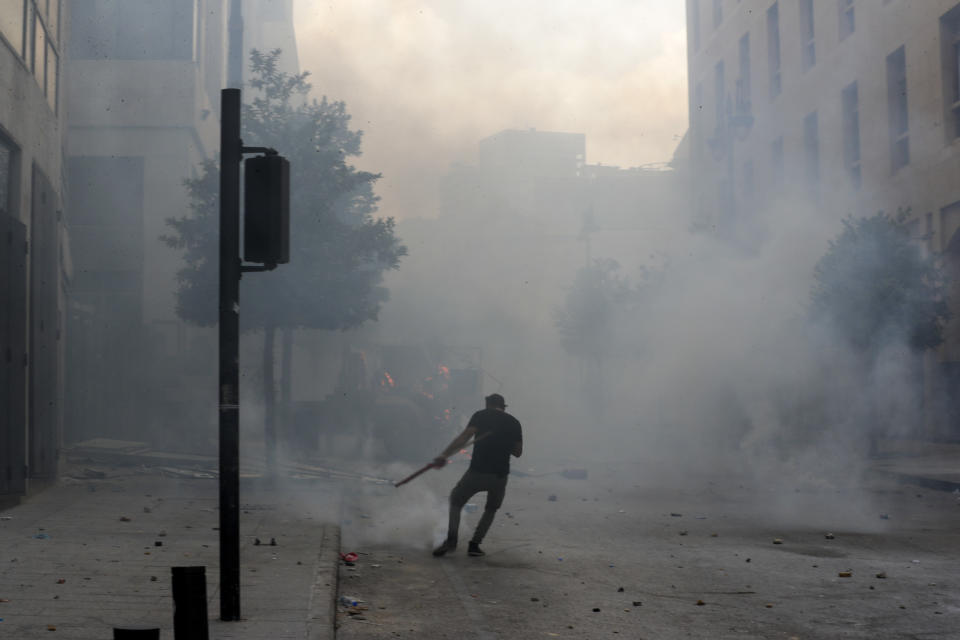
<point>496,436</point>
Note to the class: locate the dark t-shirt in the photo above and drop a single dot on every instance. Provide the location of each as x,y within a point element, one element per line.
<point>497,432</point>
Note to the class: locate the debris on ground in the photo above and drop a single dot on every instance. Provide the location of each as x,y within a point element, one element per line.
<point>125,519</point>
<point>574,474</point>
<point>700,603</point>
<point>596,609</point>
<point>829,536</point>
<point>256,542</point>
<point>620,590</point>
<point>552,497</point>
<point>684,532</point>
<point>637,603</point>
<point>778,541</point>
<point>845,574</point>
<point>676,515</point>
<point>882,575</point>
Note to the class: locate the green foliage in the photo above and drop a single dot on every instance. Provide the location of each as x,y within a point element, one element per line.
<point>877,285</point>
<point>338,250</point>
<point>585,321</point>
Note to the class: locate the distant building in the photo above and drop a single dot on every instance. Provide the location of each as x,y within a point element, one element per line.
<point>34,252</point>
<point>848,106</point>
<point>143,99</point>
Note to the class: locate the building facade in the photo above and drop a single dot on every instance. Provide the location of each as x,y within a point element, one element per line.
<point>34,252</point>
<point>144,101</point>
<point>847,106</point>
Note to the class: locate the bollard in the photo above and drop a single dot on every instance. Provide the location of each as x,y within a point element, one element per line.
<point>190,603</point>
<point>136,632</point>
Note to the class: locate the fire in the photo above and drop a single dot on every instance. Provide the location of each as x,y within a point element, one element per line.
<point>387,380</point>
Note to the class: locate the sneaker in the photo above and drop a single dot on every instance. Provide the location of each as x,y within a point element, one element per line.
<point>475,550</point>
<point>444,548</point>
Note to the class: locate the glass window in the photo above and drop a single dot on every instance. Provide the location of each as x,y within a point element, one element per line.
<point>773,48</point>
<point>11,24</point>
<point>37,57</point>
<point>51,85</point>
<point>7,151</point>
<point>807,42</point>
<point>53,21</point>
<point>897,109</point>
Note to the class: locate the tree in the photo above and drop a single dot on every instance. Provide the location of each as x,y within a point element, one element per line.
<point>884,296</point>
<point>338,250</point>
<point>876,285</point>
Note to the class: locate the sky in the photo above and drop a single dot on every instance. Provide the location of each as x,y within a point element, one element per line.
<point>427,80</point>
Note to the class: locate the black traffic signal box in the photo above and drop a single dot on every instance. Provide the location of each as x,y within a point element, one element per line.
<point>266,210</point>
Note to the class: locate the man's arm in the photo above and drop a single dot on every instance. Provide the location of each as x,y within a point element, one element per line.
<point>517,449</point>
<point>455,446</point>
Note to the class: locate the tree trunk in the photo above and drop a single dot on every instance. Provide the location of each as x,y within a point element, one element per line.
<point>269,405</point>
<point>286,365</point>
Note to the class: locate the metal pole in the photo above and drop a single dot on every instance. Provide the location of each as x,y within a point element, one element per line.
<point>189,585</point>
<point>230,156</point>
<point>235,45</point>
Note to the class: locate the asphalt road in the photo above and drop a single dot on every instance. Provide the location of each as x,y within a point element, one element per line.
<point>617,557</point>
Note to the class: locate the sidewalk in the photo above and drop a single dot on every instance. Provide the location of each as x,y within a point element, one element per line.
<point>87,555</point>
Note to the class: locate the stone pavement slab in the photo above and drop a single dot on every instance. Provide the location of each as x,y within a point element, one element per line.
<point>85,556</point>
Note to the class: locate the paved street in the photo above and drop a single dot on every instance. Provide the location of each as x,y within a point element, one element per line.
<point>81,558</point>
<point>660,555</point>
<point>608,559</point>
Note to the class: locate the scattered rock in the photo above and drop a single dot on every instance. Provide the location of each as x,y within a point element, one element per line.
<point>637,603</point>
<point>769,605</point>
<point>714,535</point>
<point>882,575</point>
<point>61,580</point>
<point>256,542</point>
<point>534,599</point>
<point>153,578</point>
<point>700,603</point>
<point>778,541</point>
<point>620,590</point>
<point>829,536</point>
<point>684,532</point>
<point>845,574</point>
<point>552,498</point>
<point>146,509</point>
<point>158,543</point>
<point>124,519</point>
<point>676,515</point>
<point>596,609</point>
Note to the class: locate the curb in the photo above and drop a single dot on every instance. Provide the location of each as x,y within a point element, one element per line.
<point>322,611</point>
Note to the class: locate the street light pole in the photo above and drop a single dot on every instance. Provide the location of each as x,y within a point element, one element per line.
<point>229,329</point>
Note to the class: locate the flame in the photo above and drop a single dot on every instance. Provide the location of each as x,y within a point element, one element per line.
<point>387,381</point>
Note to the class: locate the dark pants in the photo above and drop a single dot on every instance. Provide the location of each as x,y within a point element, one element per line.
<point>470,484</point>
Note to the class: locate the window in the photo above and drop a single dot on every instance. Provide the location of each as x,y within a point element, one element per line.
<point>694,9</point>
<point>811,149</point>
<point>696,110</point>
<point>8,166</point>
<point>897,109</point>
<point>851,132</point>
<point>743,82</point>
<point>808,52</point>
<point>748,183</point>
<point>719,93</point>
<point>773,49</point>
<point>132,29</point>
<point>776,162</point>
<point>12,21</point>
<point>847,24</point>
<point>717,13</point>
<point>950,63</point>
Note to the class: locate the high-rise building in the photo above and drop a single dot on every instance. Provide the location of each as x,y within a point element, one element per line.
<point>143,98</point>
<point>850,107</point>
<point>34,252</point>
